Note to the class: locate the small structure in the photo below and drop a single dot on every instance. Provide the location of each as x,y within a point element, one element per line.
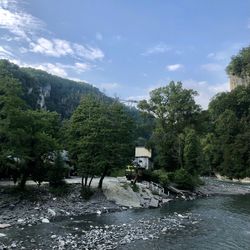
<point>142,158</point>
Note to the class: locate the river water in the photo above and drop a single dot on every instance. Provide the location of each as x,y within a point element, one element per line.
<point>218,222</point>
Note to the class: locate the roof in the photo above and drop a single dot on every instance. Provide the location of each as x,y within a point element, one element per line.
<point>143,152</point>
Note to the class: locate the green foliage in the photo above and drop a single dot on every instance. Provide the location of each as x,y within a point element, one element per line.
<point>229,149</point>
<point>240,64</point>
<point>192,152</point>
<point>101,137</point>
<point>56,171</point>
<point>119,172</point>
<point>184,180</point>
<point>160,176</point>
<point>174,109</point>
<point>61,95</point>
<point>134,187</point>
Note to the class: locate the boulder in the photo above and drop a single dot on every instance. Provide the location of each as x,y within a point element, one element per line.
<point>154,203</point>
<point>2,226</point>
<point>45,220</point>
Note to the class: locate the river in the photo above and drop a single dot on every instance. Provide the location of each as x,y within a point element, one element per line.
<point>218,222</point>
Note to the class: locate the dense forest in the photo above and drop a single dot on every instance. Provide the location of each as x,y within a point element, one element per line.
<point>44,115</point>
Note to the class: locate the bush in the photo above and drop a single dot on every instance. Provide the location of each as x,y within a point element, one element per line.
<point>56,172</point>
<point>134,187</point>
<point>120,172</point>
<point>184,180</point>
<point>86,193</point>
<point>159,176</point>
<point>60,190</point>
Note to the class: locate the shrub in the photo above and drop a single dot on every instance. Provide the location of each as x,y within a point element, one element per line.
<point>57,171</point>
<point>134,187</point>
<point>60,190</point>
<point>159,176</point>
<point>86,193</point>
<point>184,180</point>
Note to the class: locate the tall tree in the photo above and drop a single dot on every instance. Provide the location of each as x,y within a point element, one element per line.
<point>174,109</point>
<point>101,137</point>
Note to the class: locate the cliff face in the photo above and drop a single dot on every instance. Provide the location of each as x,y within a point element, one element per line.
<point>238,81</point>
<point>49,92</point>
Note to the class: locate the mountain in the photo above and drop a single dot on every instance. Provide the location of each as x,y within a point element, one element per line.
<point>46,91</point>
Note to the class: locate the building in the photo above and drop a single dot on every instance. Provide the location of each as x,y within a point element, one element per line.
<point>142,158</point>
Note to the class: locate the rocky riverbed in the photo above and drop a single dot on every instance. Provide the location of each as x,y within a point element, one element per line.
<point>39,205</point>
<point>105,236</point>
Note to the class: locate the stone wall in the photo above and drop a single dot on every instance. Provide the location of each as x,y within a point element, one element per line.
<point>236,81</point>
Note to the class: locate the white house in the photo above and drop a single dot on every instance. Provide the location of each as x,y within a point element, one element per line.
<point>142,158</point>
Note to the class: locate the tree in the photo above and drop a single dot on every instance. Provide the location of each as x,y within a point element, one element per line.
<point>192,152</point>
<point>101,137</point>
<point>174,109</point>
<point>230,119</point>
<point>27,136</point>
<point>12,109</point>
<point>240,64</point>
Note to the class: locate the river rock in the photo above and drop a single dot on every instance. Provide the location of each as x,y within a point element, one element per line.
<point>45,220</point>
<point>154,203</point>
<point>2,226</point>
<point>51,212</point>
<point>2,235</point>
<point>166,200</point>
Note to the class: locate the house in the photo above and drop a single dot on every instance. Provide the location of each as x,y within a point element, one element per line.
<point>142,158</point>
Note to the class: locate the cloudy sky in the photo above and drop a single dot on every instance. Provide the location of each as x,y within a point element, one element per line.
<point>125,47</point>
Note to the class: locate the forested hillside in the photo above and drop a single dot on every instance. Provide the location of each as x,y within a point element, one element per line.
<point>46,91</point>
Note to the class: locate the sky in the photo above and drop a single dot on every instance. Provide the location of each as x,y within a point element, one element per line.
<point>127,48</point>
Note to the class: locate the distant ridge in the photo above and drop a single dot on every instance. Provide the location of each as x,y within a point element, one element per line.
<point>45,91</point>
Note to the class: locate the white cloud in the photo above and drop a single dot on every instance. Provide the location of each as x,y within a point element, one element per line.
<point>225,55</point>
<point>16,21</point>
<point>5,54</point>
<point>108,86</point>
<point>59,48</point>
<point>212,67</point>
<point>99,36</point>
<point>174,67</point>
<point>52,68</point>
<point>157,49</point>
<point>82,67</point>
<point>88,52</point>
<point>219,87</point>
<point>218,56</point>
<point>205,90</point>
<point>57,69</point>
<point>54,47</point>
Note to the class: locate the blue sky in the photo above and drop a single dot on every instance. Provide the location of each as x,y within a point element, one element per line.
<point>125,47</point>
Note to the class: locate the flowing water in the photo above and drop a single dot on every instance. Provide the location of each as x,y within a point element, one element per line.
<point>219,222</point>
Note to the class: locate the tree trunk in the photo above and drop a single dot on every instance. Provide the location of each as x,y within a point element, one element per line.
<point>23,181</point>
<point>102,177</point>
<point>82,180</point>
<point>91,180</point>
<point>86,181</point>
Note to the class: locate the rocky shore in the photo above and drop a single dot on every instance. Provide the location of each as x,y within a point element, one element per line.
<point>39,205</point>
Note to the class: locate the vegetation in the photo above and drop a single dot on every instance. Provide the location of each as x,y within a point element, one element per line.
<point>101,138</point>
<point>101,133</point>
<point>174,136</point>
<point>240,64</point>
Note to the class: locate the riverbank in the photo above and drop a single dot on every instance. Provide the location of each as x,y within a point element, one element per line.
<point>40,205</point>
